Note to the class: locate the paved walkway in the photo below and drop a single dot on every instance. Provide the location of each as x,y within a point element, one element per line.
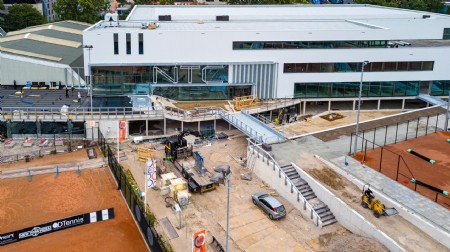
<point>428,209</point>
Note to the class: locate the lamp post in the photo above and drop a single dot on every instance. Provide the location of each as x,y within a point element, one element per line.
<point>363,64</point>
<point>446,112</point>
<point>228,177</point>
<point>89,47</point>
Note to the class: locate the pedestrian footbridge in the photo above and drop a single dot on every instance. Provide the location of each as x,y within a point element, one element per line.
<point>252,127</point>
<point>432,100</point>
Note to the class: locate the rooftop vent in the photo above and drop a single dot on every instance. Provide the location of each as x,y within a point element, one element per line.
<point>223,18</point>
<point>426,16</point>
<point>165,18</point>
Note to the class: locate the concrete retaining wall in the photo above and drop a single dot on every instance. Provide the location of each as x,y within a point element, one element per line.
<point>436,233</point>
<point>271,174</point>
<point>346,215</point>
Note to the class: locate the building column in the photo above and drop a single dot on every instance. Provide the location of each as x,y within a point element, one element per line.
<point>329,105</point>
<point>146,127</point>
<point>304,107</point>
<point>403,104</point>
<point>354,104</point>
<point>214,123</point>
<point>182,126</point>
<point>229,126</point>
<point>198,126</point>
<point>270,115</point>
<point>164,125</point>
<point>379,104</point>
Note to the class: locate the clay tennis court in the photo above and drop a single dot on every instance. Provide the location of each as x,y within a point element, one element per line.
<point>46,198</point>
<point>433,146</point>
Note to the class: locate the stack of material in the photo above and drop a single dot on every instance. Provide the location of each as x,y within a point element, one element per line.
<point>164,183</point>
<point>179,190</point>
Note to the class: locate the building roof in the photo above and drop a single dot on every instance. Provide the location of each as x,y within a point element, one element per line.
<point>59,42</point>
<point>271,18</point>
<point>269,12</point>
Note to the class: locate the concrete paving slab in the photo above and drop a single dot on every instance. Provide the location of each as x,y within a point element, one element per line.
<point>244,219</point>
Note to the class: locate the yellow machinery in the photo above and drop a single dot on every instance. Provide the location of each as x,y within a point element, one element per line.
<point>245,102</point>
<point>368,201</point>
<point>145,153</point>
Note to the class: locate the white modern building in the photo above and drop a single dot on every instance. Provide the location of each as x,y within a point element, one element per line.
<point>309,51</point>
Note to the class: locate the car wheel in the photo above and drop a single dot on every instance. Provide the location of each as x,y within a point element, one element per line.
<point>271,216</point>
<point>254,201</point>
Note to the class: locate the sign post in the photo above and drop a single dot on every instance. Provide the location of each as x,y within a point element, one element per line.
<point>150,177</point>
<point>199,241</point>
<point>121,135</point>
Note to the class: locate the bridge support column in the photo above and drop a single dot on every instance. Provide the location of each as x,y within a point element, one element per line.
<point>329,105</point>
<point>198,126</point>
<point>379,104</point>
<point>214,123</point>
<point>270,116</point>
<point>354,104</point>
<point>403,103</point>
<point>304,107</point>
<point>182,125</point>
<point>146,127</point>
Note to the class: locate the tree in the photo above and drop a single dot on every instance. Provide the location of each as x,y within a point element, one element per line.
<point>21,16</point>
<point>88,11</point>
<point>2,7</point>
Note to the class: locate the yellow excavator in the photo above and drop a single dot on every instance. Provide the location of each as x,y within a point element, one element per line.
<point>368,201</point>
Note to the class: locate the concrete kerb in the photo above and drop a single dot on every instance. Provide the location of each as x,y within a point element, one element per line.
<point>371,120</point>
<point>408,214</point>
<point>347,216</point>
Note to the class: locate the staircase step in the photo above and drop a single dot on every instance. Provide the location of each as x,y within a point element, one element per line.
<point>294,176</point>
<point>328,222</point>
<point>322,210</point>
<point>289,173</point>
<point>300,184</point>
<point>306,190</point>
<point>325,214</point>
<point>329,217</point>
<point>312,196</point>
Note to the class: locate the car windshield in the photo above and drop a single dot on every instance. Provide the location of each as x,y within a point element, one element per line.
<point>280,209</point>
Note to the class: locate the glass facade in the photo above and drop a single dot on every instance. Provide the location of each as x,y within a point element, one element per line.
<point>141,43</point>
<point>261,45</point>
<point>446,33</point>
<point>186,81</point>
<point>440,87</point>
<point>128,37</point>
<point>356,67</point>
<point>351,89</point>
<point>116,43</point>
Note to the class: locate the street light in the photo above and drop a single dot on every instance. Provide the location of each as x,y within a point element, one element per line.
<point>446,112</point>
<point>227,177</point>
<point>363,64</point>
<point>89,47</point>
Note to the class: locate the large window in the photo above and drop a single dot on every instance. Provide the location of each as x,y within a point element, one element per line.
<point>128,36</point>
<point>261,45</point>
<point>141,43</point>
<point>356,67</point>
<point>446,33</point>
<point>440,87</point>
<point>370,89</point>
<point>116,43</point>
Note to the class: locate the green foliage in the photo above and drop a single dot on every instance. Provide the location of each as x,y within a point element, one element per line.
<point>88,11</point>
<point>2,7</point>
<point>21,16</point>
<point>268,2</point>
<point>422,5</point>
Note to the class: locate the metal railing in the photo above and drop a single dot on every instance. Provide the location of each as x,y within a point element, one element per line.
<point>252,146</point>
<point>253,134</point>
<point>281,103</point>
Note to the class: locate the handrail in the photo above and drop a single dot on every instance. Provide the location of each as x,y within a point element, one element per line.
<point>275,163</point>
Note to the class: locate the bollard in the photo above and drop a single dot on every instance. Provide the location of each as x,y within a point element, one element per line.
<point>78,171</point>
<point>57,171</point>
<point>29,175</point>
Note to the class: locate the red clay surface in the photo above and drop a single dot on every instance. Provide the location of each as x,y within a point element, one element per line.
<point>433,146</point>
<point>25,204</point>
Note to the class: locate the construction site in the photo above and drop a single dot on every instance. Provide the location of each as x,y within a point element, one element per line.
<point>388,194</point>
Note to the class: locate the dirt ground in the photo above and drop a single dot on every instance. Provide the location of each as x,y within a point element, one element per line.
<point>189,105</point>
<point>335,134</point>
<point>24,204</point>
<point>434,146</point>
<point>249,227</point>
<point>318,123</point>
<point>76,156</point>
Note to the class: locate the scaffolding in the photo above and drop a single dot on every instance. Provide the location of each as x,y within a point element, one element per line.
<point>245,102</point>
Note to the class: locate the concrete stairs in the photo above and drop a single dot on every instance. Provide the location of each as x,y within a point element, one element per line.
<point>326,216</point>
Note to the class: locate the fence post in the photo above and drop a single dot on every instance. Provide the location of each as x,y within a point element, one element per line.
<point>398,168</point>
<point>381,158</point>
<point>373,143</point>
<point>365,151</point>
<point>437,119</point>
<point>351,141</point>
<point>396,132</point>
<point>57,171</point>
<point>362,141</point>
<point>407,128</point>
<point>426,128</point>
<point>417,126</point>
<point>385,135</point>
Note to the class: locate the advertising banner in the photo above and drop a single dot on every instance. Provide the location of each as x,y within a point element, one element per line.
<point>56,225</point>
<point>199,241</point>
<point>151,174</point>
<point>122,130</point>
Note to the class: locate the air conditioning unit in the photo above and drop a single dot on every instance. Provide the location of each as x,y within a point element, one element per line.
<point>223,18</point>
<point>164,18</point>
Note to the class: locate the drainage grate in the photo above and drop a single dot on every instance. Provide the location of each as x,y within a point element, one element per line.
<point>169,228</point>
